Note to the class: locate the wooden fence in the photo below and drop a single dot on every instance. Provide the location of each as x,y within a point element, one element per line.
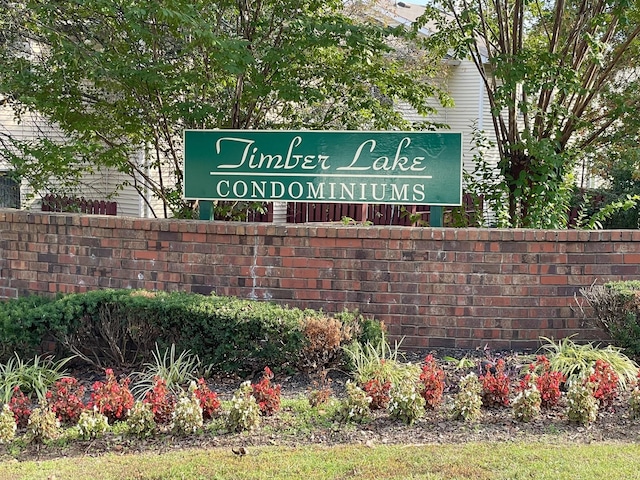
<point>55,203</point>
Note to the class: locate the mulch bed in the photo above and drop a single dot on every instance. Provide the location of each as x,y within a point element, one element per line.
<point>496,425</point>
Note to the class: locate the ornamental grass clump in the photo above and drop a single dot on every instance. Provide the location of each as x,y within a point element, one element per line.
<point>467,403</point>
<point>380,362</point>
<point>187,416</point>
<point>92,424</point>
<point>175,370</point>
<point>575,361</point>
<point>244,412</point>
<point>406,402</point>
<point>8,426</point>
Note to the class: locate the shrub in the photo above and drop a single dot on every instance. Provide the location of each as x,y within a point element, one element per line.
<point>20,405</point>
<point>432,382</point>
<point>527,402</point>
<point>65,399</point>
<point>24,323</point>
<point>187,416</point>
<point>605,382</point>
<point>209,402</point>
<point>406,403</point>
<point>495,386</point>
<point>118,328</point>
<point>582,406</point>
<point>8,426</point>
<point>467,401</point>
<point>616,308</point>
<point>244,413</point>
<point>355,406</point>
<point>231,334</point>
<point>140,421</point>
<point>113,399</point>
<point>323,340</point>
<point>42,426</point>
<point>92,424</point>
<point>267,395</point>
<point>161,401</point>
<point>547,381</point>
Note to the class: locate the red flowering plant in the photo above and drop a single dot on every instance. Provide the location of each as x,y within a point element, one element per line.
<point>208,400</point>
<point>113,399</point>
<point>547,381</point>
<point>606,381</point>
<point>161,400</point>
<point>379,393</point>
<point>495,385</point>
<point>65,399</point>
<point>432,382</point>
<point>267,395</point>
<point>20,405</point>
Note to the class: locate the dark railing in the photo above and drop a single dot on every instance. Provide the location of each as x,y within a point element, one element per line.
<point>55,203</point>
<point>405,215</point>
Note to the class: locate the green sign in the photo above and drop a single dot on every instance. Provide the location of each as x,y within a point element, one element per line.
<point>324,166</point>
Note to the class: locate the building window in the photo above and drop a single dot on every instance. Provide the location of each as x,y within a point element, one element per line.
<point>9,191</point>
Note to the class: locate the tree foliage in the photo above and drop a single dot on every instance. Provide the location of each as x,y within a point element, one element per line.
<point>559,75</point>
<point>123,77</point>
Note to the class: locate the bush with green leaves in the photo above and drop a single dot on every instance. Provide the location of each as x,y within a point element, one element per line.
<point>140,421</point>
<point>187,415</point>
<point>467,402</point>
<point>355,406</point>
<point>43,426</point>
<point>527,402</point>
<point>406,401</point>
<point>244,412</point>
<point>616,310</point>
<point>576,360</point>
<point>92,424</point>
<point>24,323</point>
<point>8,425</point>
<point>119,328</point>
<point>582,406</point>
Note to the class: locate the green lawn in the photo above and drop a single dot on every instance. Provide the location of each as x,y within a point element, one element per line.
<point>476,461</point>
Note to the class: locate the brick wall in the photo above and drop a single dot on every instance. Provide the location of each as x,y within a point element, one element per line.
<point>435,286</point>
